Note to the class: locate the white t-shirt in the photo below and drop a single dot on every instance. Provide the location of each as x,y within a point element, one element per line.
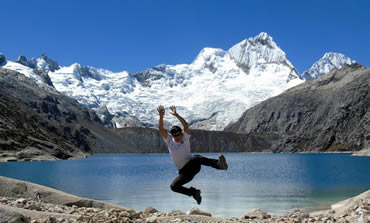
<point>180,151</point>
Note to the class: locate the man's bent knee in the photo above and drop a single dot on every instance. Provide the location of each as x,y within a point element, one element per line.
<point>174,187</point>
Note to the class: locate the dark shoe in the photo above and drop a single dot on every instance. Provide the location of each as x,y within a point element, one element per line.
<point>222,164</point>
<point>197,197</point>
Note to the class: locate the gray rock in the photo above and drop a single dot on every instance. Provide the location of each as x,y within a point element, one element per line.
<point>150,210</point>
<point>105,116</point>
<point>12,217</point>
<point>23,60</point>
<point>29,153</point>
<point>197,211</point>
<point>176,213</point>
<point>256,214</point>
<point>2,59</point>
<point>152,219</point>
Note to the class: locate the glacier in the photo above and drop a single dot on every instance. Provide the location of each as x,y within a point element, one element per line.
<point>211,92</point>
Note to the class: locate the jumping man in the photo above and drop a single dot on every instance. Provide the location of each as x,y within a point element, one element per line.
<point>188,165</point>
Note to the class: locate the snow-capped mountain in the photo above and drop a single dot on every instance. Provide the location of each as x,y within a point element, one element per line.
<point>211,92</point>
<point>214,89</point>
<point>29,70</point>
<point>327,63</point>
<point>253,53</point>
<point>42,63</point>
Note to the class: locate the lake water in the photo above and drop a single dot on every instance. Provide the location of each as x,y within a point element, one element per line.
<point>277,183</point>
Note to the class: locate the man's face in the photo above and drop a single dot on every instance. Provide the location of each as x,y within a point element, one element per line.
<point>177,136</point>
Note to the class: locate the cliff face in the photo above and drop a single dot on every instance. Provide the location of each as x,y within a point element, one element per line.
<point>148,140</point>
<point>27,135</point>
<point>330,113</point>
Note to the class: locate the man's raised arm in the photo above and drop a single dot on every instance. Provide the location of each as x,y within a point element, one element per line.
<point>161,112</point>
<point>183,122</point>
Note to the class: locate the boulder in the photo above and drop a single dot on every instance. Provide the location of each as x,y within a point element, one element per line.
<point>150,210</point>
<point>197,211</point>
<point>7,216</point>
<point>176,213</point>
<point>256,214</point>
<point>152,219</point>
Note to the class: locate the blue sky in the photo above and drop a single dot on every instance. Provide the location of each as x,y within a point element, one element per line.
<point>134,35</point>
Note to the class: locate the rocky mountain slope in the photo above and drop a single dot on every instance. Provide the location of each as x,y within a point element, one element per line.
<point>330,113</point>
<point>37,122</point>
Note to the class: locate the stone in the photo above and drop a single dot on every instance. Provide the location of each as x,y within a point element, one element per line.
<point>12,217</point>
<point>135,214</point>
<point>34,207</point>
<point>176,213</point>
<point>21,200</point>
<point>197,211</point>
<point>150,210</point>
<point>256,214</point>
<point>152,219</point>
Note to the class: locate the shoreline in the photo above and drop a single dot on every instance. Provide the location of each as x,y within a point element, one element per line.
<point>5,158</point>
<point>37,203</point>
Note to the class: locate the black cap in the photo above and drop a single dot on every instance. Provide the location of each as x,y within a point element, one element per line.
<point>175,129</point>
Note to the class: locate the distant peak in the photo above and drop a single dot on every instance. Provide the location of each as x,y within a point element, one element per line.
<point>326,64</point>
<point>263,39</point>
<point>256,50</point>
<point>44,56</point>
<point>332,55</point>
<point>2,59</point>
<point>263,36</point>
<point>212,51</point>
<point>208,54</point>
<point>336,59</point>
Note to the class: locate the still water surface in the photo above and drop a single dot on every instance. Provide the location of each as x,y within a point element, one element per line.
<point>277,183</point>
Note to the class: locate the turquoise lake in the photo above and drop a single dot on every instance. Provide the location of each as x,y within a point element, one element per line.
<point>276,183</point>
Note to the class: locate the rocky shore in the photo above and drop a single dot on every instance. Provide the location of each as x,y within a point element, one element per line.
<point>22,201</point>
<point>364,152</point>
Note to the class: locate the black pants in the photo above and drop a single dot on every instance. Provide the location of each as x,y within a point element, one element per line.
<point>187,173</point>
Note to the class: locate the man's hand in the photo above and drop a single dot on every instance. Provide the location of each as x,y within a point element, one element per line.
<point>183,122</point>
<point>173,110</point>
<point>161,110</point>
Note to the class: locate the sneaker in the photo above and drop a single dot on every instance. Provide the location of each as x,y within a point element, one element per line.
<point>197,196</point>
<point>222,165</point>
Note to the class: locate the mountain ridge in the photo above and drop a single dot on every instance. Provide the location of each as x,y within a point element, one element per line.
<point>213,91</point>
